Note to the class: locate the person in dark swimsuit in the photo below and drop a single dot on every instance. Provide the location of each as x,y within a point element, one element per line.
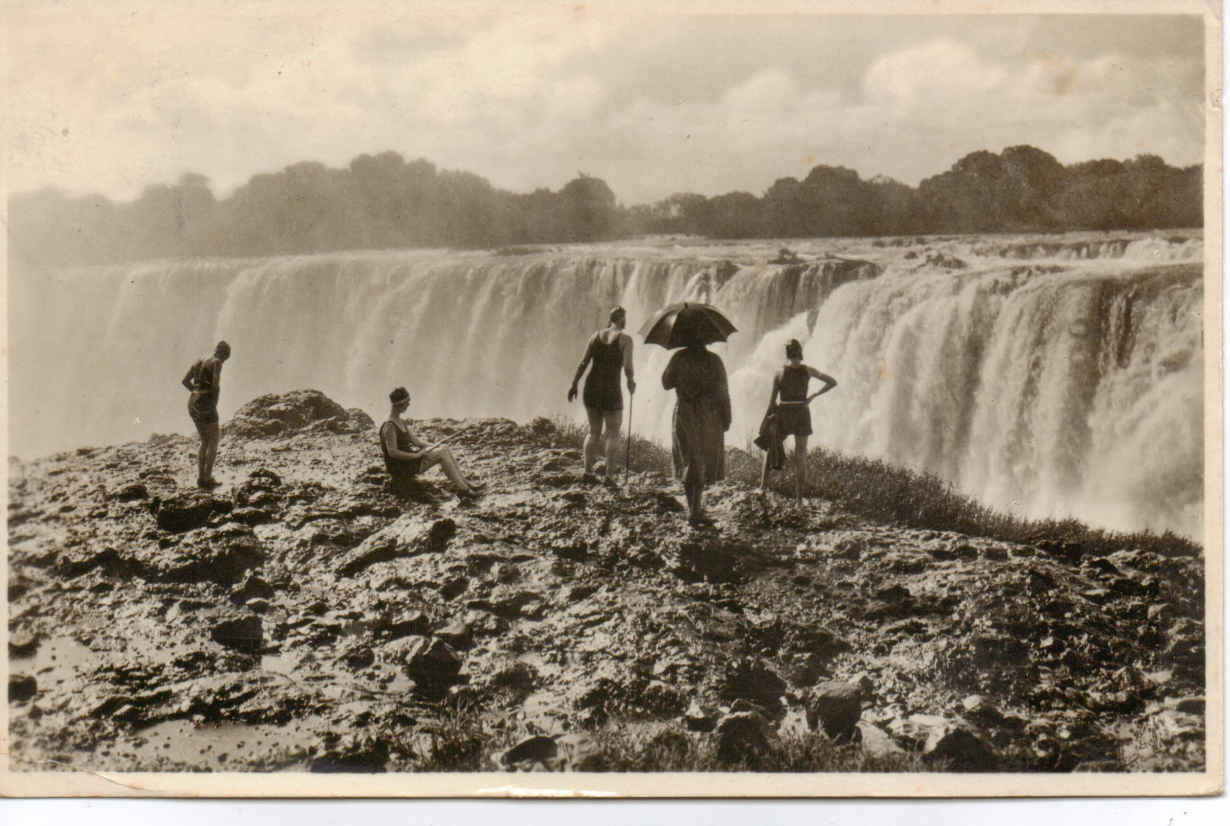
<point>789,402</point>
<point>204,381</point>
<point>406,457</point>
<point>609,350</point>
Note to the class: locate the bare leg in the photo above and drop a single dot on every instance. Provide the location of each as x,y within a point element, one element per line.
<point>215,436</point>
<point>209,452</point>
<point>593,442</point>
<point>800,466</point>
<point>202,458</point>
<point>611,421</point>
<point>443,457</point>
<point>764,473</point>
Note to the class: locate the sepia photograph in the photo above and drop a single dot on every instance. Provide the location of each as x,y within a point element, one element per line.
<point>565,399</point>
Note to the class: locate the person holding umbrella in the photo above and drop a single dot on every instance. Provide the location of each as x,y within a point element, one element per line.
<point>702,397</point>
<point>789,400</point>
<point>609,351</point>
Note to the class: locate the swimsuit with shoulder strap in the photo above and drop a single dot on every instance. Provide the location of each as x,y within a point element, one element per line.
<point>602,384</point>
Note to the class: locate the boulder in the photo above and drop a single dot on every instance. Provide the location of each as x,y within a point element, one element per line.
<point>752,679</point>
<point>253,587</point>
<point>132,493</point>
<point>537,749</point>
<point>278,415</point>
<point>244,634</point>
<point>835,706</point>
<point>744,738</point>
<point>222,556</point>
<point>407,536</point>
<point>876,742</point>
<point>699,718</point>
<point>434,666</point>
<point>22,644</point>
<point>457,634</point>
<point>960,749</point>
<point>411,622</point>
<point>186,511</point>
<point>355,753</point>
<point>21,687</point>
<point>578,752</point>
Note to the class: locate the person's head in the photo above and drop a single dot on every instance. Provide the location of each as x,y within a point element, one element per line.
<point>618,317</point>
<point>222,351</point>
<point>794,350</point>
<point>399,398</point>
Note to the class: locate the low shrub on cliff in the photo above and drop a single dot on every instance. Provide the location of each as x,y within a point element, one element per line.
<point>877,490</point>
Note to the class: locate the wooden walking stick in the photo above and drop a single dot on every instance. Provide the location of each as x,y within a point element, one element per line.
<point>628,447</point>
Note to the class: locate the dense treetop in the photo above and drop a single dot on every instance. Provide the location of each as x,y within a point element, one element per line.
<point>384,202</point>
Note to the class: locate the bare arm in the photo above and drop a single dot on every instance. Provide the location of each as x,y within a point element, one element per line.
<point>829,381</point>
<point>389,435</point>
<point>190,378</point>
<point>626,342</point>
<point>585,360</point>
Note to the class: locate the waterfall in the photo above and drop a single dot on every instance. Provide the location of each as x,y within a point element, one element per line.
<point>1045,377</point>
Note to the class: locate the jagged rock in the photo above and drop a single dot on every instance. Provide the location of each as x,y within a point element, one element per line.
<point>434,666</point>
<point>744,737</point>
<point>356,753</point>
<point>413,622</point>
<point>21,687</point>
<point>278,415</point>
<point>222,556</point>
<point>359,657</point>
<point>408,536</point>
<point>22,644</point>
<point>960,749</point>
<point>457,634</point>
<point>699,718</point>
<point>185,511</point>
<point>253,516</point>
<point>132,493</point>
<point>752,679</point>
<point>578,752</point>
<point>253,587</point>
<point>537,749</point>
<point>835,706</point>
<point>876,742</point>
<point>244,634</point>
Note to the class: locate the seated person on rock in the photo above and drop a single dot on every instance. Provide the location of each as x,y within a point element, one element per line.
<point>405,456</point>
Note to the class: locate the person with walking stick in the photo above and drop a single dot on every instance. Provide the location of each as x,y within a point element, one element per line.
<point>609,351</point>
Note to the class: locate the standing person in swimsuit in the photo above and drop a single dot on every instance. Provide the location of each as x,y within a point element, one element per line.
<point>789,400</point>
<point>204,380</point>
<point>405,456</point>
<point>610,350</point>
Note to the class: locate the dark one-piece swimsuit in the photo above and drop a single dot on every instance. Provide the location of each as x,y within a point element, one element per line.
<point>602,384</point>
<point>794,419</point>
<point>401,471</point>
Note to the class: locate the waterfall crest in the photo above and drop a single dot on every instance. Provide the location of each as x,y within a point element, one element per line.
<point>1045,376</point>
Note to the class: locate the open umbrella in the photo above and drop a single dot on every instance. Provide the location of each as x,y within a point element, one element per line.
<point>681,324</point>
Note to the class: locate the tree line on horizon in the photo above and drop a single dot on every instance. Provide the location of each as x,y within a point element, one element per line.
<point>384,202</point>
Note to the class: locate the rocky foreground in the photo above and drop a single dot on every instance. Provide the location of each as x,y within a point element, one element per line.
<point>302,617</point>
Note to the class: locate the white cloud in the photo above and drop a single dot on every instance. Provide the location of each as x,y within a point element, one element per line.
<point>527,100</point>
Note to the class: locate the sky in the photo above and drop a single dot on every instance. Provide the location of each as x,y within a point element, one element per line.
<point>113,97</point>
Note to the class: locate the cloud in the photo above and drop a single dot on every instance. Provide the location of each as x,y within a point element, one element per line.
<point>527,100</point>
<point>935,72</point>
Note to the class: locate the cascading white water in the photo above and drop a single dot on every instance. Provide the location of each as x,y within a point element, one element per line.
<point>1067,383</point>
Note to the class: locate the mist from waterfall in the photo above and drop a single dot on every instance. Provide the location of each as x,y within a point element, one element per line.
<point>1047,376</point>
